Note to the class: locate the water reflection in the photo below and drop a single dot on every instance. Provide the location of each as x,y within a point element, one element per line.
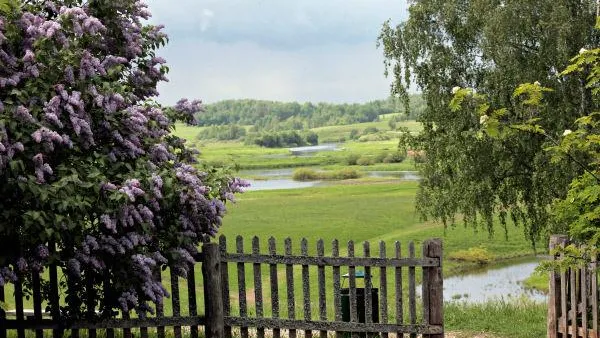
<point>493,283</point>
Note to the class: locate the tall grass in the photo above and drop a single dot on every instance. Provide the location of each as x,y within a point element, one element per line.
<point>508,318</point>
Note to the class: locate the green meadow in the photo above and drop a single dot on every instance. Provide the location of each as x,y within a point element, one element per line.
<point>359,210</point>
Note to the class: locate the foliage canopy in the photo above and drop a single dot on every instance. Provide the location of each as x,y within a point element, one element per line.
<point>489,47</point>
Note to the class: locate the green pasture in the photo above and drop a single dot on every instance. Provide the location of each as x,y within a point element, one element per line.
<point>382,211</point>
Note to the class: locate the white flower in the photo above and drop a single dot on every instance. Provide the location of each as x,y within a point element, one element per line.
<point>537,83</point>
<point>483,119</point>
<point>455,89</point>
<point>582,50</point>
<point>567,132</point>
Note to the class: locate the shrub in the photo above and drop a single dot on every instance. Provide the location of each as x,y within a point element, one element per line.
<point>305,174</point>
<point>395,157</point>
<point>91,178</point>
<point>365,160</point>
<point>477,255</point>
<point>345,174</point>
<point>352,159</point>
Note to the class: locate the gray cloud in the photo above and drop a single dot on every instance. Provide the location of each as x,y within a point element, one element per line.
<point>279,24</point>
<point>300,50</point>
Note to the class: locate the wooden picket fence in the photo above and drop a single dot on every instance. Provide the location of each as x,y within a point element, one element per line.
<point>573,298</point>
<point>231,309</point>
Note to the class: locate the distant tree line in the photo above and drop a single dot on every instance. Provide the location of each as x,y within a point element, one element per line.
<point>272,115</point>
<point>290,138</point>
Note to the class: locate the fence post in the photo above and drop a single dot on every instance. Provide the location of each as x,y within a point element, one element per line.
<point>432,248</point>
<point>213,296</point>
<point>554,288</point>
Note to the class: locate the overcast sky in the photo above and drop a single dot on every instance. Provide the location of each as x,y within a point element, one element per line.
<point>287,50</point>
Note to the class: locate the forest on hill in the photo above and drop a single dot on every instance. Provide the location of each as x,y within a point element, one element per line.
<point>273,115</point>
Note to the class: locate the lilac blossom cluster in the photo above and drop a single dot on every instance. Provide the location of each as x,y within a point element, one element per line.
<point>82,140</point>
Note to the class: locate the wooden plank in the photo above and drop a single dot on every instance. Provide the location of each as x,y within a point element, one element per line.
<point>106,288</point>
<point>584,299</point>
<point>258,297</point>
<point>425,287</point>
<point>412,295</point>
<point>573,295</point>
<point>239,243</point>
<point>213,301</point>
<point>321,282</point>
<point>232,321</point>
<point>192,304</point>
<point>337,299</point>
<point>383,306</point>
<point>554,289</point>
<point>330,261</point>
<point>352,285</point>
<point>274,287</point>
<point>160,312</point>
<point>301,324</point>
<point>37,301</point>
<point>73,303</point>
<point>225,282</point>
<point>289,277</point>
<point>18,289</point>
<point>54,299</point>
<point>2,312</point>
<point>398,285</point>
<point>368,286</point>
<point>126,331</point>
<point>90,302</point>
<point>175,301</point>
<point>434,312</point>
<point>563,297</point>
<point>305,286</point>
<point>107,323</point>
<point>594,295</point>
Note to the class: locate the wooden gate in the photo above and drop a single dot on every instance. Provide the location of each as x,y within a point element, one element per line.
<point>573,298</point>
<point>381,296</point>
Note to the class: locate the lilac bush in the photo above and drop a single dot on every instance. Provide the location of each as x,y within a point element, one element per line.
<point>91,178</point>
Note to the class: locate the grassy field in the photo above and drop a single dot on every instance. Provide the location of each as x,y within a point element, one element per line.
<point>383,210</point>
<point>235,153</point>
<point>360,210</point>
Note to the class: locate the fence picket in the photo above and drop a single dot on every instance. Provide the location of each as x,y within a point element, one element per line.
<point>398,285</point>
<point>352,285</point>
<point>106,288</point>
<point>321,282</point>
<point>337,300</point>
<point>175,301</point>
<point>594,295</point>
<point>573,294</point>
<point>19,305</point>
<point>126,331</point>
<point>90,302</point>
<point>192,305</point>
<point>289,276</point>
<point>37,302</point>
<point>258,297</point>
<point>274,286</point>
<point>2,312</point>
<point>368,286</point>
<point>160,312</point>
<point>225,283</point>
<point>305,285</point>
<point>584,295</point>
<point>412,306</point>
<point>239,243</point>
<point>383,306</point>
